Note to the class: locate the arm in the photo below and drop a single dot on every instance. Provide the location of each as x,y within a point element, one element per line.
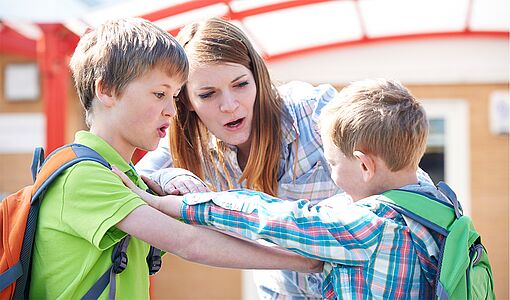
<point>202,245</point>
<point>341,234</point>
<point>209,247</point>
<point>158,165</point>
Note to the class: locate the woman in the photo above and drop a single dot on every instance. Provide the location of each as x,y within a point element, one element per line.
<point>235,129</point>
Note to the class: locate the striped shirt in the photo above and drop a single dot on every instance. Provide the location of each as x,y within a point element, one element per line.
<point>369,249</point>
<point>303,174</point>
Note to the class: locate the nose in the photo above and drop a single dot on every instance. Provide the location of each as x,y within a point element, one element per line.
<point>228,103</point>
<point>169,109</point>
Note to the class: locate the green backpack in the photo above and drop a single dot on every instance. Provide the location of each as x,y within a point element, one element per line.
<point>464,268</point>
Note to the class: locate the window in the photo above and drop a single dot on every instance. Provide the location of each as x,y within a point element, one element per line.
<point>447,155</point>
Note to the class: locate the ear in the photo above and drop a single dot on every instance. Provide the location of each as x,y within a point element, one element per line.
<point>104,96</point>
<point>367,164</point>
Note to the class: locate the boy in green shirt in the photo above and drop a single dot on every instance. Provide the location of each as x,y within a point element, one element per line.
<point>127,73</point>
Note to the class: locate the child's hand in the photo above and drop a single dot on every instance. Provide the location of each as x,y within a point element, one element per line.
<point>150,199</point>
<point>153,185</point>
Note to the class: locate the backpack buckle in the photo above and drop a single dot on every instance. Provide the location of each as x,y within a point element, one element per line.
<point>154,260</point>
<point>155,265</point>
<point>476,251</point>
<point>119,255</point>
<point>120,262</point>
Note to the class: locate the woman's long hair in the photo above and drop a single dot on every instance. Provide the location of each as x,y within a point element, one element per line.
<point>216,41</point>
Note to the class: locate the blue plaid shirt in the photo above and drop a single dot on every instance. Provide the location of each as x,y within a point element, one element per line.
<point>369,249</point>
<point>303,174</point>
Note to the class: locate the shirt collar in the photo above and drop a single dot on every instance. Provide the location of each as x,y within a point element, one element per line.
<point>103,148</point>
<point>290,129</point>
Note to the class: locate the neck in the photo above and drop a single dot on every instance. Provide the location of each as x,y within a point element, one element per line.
<point>243,153</point>
<point>125,150</point>
<point>388,180</point>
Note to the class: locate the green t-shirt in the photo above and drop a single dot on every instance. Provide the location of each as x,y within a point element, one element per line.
<point>76,230</point>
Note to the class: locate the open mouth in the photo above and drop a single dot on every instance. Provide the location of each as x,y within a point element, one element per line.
<point>235,124</point>
<point>162,131</point>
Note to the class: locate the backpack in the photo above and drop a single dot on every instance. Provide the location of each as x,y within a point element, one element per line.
<point>18,220</point>
<point>464,271</point>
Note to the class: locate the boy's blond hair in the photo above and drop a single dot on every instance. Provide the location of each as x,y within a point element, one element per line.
<point>119,51</point>
<point>379,117</point>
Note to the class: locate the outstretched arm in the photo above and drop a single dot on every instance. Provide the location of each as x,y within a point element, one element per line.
<point>205,246</point>
<point>338,233</point>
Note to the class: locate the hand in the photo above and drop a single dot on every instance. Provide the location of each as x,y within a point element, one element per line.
<point>185,184</point>
<point>153,185</point>
<point>314,266</point>
<point>149,198</point>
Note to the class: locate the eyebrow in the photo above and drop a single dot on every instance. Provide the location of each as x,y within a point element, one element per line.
<point>235,79</point>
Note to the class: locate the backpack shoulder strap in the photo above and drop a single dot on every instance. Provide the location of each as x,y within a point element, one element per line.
<point>424,209</point>
<point>44,171</point>
<point>59,160</point>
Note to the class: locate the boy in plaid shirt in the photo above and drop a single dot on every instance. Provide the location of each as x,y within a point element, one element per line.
<point>374,134</point>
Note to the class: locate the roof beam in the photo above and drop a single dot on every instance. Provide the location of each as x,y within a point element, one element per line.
<point>12,42</point>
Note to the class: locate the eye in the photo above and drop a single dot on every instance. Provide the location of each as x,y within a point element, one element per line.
<point>242,84</point>
<point>206,95</point>
<point>159,95</point>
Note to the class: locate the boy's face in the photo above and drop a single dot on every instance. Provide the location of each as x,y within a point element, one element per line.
<point>141,115</point>
<point>345,172</point>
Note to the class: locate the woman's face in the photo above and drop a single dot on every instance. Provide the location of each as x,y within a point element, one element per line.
<point>223,95</point>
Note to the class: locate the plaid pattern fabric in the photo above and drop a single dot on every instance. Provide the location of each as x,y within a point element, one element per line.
<point>369,249</point>
<point>303,174</point>
<point>303,170</point>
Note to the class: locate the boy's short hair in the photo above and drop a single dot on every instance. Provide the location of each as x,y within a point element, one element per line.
<point>119,51</point>
<point>380,117</point>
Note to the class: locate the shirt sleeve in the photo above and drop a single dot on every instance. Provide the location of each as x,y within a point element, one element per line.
<point>155,160</point>
<point>91,205</point>
<point>345,235</point>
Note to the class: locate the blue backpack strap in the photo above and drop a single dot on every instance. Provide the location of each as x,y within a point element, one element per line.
<point>154,256</point>
<point>119,263</point>
<point>424,209</point>
<point>37,161</point>
<point>11,275</point>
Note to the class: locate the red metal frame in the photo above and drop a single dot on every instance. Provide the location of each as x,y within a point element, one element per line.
<point>366,40</point>
<point>53,50</point>
<point>13,42</point>
<point>57,43</point>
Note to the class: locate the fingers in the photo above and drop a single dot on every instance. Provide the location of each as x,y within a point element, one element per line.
<point>184,185</point>
<point>127,182</point>
<point>153,185</point>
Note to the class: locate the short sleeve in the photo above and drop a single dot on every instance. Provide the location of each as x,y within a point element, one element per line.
<point>93,201</point>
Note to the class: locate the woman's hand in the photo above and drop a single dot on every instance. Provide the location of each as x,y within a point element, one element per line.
<point>176,181</point>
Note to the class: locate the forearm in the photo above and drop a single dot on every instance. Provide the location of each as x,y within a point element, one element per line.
<point>317,232</point>
<point>209,247</point>
<point>169,205</point>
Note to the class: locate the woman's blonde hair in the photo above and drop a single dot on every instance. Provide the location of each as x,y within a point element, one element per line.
<point>216,41</point>
<point>380,117</point>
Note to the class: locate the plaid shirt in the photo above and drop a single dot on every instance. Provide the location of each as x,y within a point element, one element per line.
<point>303,174</point>
<point>369,249</point>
